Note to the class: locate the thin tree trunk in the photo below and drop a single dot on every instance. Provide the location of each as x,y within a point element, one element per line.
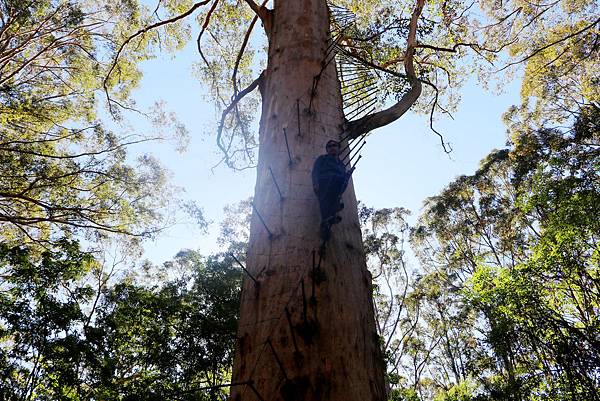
<point>331,349</point>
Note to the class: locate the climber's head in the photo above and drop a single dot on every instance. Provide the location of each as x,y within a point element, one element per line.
<point>332,147</point>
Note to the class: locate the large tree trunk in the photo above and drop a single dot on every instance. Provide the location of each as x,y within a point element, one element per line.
<point>338,355</point>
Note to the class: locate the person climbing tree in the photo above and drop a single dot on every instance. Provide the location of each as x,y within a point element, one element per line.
<point>330,179</point>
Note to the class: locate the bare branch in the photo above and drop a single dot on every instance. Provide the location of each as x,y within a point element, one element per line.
<point>155,12</point>
<point>73,132</point>
<point>382,68</point>
<point>392,26</point>
<point>454,49</point>
<point>242,49</point>
<point>203,29</point>
<point>229,108</point>
<point>501,20</point>
<point>82,154</point>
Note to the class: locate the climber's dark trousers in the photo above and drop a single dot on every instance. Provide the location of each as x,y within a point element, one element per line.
<point>329,196</point>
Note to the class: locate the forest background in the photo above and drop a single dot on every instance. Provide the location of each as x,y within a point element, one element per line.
<point>499,302</point>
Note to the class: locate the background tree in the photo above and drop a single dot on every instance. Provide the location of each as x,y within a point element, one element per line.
<point>63,172</point>
<point>516,246</point>
<point>74,329</point>
<point>66,177</point>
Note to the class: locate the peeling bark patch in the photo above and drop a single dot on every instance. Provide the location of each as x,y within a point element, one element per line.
<point>244,343</point>
<point>295,389</point>
<point>308,330</point>
<point>318,275</point>
<point>298,358</point>
<point>322,387</point>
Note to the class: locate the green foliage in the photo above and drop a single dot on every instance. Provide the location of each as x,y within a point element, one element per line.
<point>180,335</point>
<point>40,317</point>
<point>517,244</point>
<point>63,173</point>
<point>404,394</point>
<point>463,391</point>
<point>66,337</point>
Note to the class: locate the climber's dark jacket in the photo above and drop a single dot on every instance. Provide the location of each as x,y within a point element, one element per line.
<point>327,167</point>
<point>330,177</point>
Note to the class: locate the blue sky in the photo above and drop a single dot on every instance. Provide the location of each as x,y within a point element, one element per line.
<point>402,163</point>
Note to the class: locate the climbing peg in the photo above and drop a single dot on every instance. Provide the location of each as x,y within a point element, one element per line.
<point>276,185</point>
<point>262,220</point>
<point>256,283</point>
<point>287,145</point>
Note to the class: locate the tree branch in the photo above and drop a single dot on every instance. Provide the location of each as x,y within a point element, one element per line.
<point>203,29</point>
<point>454,48</point>
<point>78,155</point>
<point>384,117</point>
<point>263,13</point>
<point>377,34</point>
<point>501,20</point>
<point>243,49</point>
<point>550,45</point>
<point>229,108</point>
<point>259,10</point>
<point>368,63</point>
<point>241,53</point>
<point>141,32</point>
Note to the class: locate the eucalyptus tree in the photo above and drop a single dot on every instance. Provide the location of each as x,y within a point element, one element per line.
<point>63,172</point>
<point>73,329</point>
<point>65,176</point>
<point>320,342</point>
<point>514,245</point>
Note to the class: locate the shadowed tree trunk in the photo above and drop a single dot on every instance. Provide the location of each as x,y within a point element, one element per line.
<point>326,347</point>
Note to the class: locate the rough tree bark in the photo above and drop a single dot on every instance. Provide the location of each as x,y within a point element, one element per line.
<point>324,347</point>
